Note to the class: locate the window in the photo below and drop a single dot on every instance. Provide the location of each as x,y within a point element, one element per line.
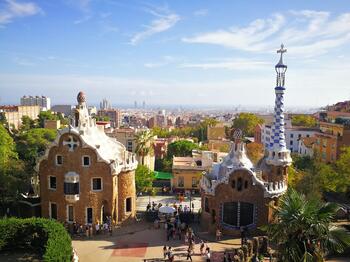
<point>128,204</point>
<point>206,205</point>
<point>194,182</point>
<point>70,213</point>
<point>213,216</point>
<point>233,184</point>
<point>86,161</point>
<point>180,181</point>
<point>230,215</point>
<point>59,160</point>
<point>239,184</point>
<point>291,135</point>
<point>52,182</point>
<point>291,142</point>
<point>71,188</point>
<point>299,136</point>
<point>89,215</point>
<point>96,184</point>
<point>53,210</point>
<point>307,135</point>
<point>129,145</point>
<point>246,184</point>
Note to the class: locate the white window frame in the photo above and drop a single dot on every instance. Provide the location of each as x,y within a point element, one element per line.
<point>86,215</point>
<point>82,161</point>
<point>57,164</point>
<point>92,184</point>
<point>128,212</point>
<point>67,211</point>
<point>50,213</point>
<point>49,184</point>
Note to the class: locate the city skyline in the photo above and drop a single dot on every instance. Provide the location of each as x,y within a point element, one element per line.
<point>198,53</point>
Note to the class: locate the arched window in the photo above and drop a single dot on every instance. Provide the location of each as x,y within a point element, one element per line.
<point>239,184</point>
<point>233,183</point>
<point>246,184</point>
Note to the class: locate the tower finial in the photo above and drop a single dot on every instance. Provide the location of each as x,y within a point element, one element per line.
<point>281,51</point>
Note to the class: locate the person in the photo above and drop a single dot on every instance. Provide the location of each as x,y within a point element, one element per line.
<point>201,248</point>
<point>229,258</point>
<point>97,227</point>
<point>207,254</point>
<point>224,259</point>
<point>148,207</point>
<point>255,258</point>
<point>242,235</point>
<point>170,255</point>
<point>189,252</point>
<point>218,234</point>
<point>165,252</point>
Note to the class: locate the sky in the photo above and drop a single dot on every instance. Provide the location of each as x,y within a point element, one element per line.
<point>183,52</point>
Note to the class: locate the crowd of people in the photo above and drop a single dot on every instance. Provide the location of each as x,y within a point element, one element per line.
<point>88,230</point>
<point>178,207</point>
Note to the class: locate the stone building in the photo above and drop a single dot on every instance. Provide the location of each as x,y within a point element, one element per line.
<point>14,114</point>
<point>237,194</point>
<point>85,175</point>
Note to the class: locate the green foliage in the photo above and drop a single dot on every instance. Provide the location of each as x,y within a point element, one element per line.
<point>46,115</point>
<point>303,229</point>
<point>144,144</point>
<point>198,131</point>
<point>27,123</point>
<point>255,151</point>
<point>7,147</point>
<point>304,120</point>
<point>143,178</point>
<point>181,148</point>
<point>247,123</point>
<point>164,165</point>
<point>46,237</point>
<point>312,177</point>
<point>102,118</point>
<point>33,143</point>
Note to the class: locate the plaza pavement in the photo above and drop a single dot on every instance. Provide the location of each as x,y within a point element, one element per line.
<point>140,241</point>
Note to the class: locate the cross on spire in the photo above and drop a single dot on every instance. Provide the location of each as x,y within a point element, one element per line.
<point>282,50</point>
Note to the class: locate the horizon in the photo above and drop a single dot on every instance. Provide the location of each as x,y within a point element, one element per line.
<point>174,53</point>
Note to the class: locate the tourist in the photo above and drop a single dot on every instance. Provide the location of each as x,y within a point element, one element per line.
<point>148,207</point>
<point>97,228</point>
<point>229,258</point>
<point>218,234</point>
<point>170,255</point>
<point>201,248</point>
<point>165,252</point>
<point>224,259</point>
<point>255,258</point>
<point>207,254</point>
<point>189,253</point>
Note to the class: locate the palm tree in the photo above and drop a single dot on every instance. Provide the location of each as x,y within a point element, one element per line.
<point>144,144</point>
<point>303,229</point>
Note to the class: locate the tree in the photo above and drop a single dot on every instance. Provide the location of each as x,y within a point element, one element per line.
<point>342,167</point>
<point>12,176</point>
<point>46,115</point>
<point>247,123</point>
<point>143,178</point>
<point>181,148</point>
<point>304,120</point>
<point>255,151</point>
<point>303,229</point>
<point>31,144</point>
<point>27,123</point>
<point>144,144</point>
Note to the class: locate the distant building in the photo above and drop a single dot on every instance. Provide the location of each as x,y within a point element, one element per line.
<point>114,116</point>
<point>42,101</point>
<point>105,104</point>
<point>292,135</point>
<point>86,176</point>
<point>14,114</point>
<point>127,136</point>
<point>52,124</point>
<point>306,146</point>
<point>63,109</point>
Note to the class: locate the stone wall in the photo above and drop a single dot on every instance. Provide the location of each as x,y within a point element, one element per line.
<point>126,189</point>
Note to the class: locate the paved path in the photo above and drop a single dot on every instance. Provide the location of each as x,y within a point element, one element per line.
<point>136,243</point>
<point>142,201</point>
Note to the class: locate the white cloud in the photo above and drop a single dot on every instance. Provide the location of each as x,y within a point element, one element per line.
<point>165,60</point>
<point>13,9</point>
<point>230,64</point>
<point>163,22</point>
<point>305,32</point>
<point>201,12</point>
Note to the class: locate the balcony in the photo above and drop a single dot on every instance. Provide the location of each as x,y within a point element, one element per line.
<point>72,198</point>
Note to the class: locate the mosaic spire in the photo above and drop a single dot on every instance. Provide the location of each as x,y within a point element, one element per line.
<point>278,152</point>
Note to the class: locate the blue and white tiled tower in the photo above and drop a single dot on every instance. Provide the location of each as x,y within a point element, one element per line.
<point>279,155</point>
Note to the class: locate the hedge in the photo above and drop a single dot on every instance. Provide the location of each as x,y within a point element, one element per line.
<point>46,237</point>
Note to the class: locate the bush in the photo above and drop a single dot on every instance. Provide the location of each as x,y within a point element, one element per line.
<point>46,237</point>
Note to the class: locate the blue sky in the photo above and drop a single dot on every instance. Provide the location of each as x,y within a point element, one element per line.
<point>174,52</point>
